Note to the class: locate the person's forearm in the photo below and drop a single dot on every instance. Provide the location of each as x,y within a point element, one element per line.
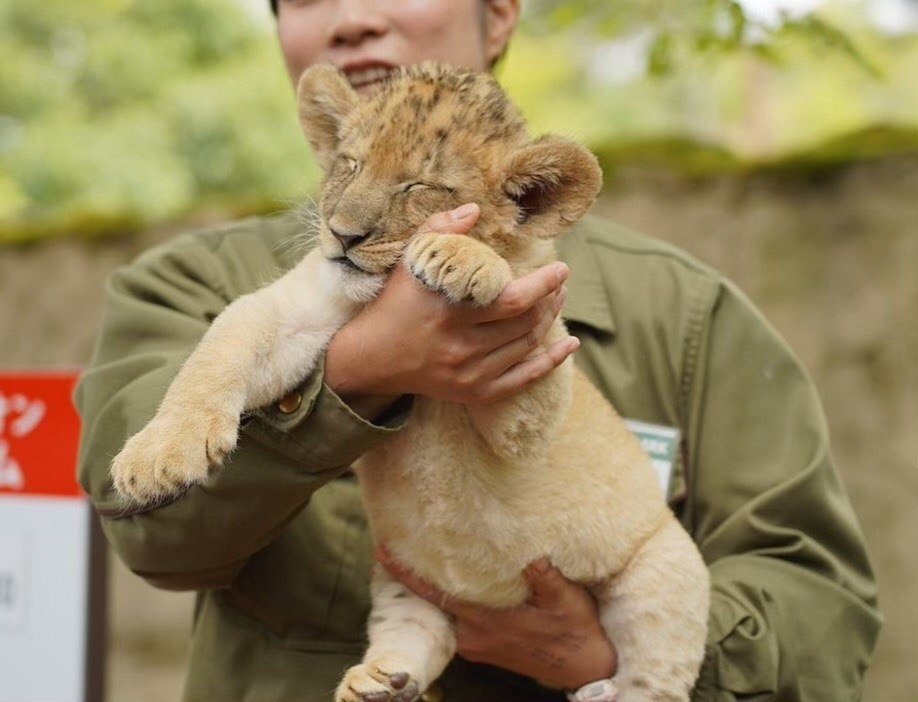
<point>287,450</point>
<point>202,538</point>
<point>780,630</point>
<point>793,602</point>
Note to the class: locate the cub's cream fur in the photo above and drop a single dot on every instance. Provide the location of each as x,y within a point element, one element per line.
<point>466,496</point>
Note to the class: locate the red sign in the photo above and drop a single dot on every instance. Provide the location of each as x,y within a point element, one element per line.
<point>39,432</point>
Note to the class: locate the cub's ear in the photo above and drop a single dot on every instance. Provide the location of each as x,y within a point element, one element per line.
<point>324,98</point>
<point>553,182</point>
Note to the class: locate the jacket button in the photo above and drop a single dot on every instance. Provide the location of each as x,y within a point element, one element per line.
<point>290,402</point>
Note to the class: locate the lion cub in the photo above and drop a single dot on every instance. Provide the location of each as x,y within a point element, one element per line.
<point>465,496</point>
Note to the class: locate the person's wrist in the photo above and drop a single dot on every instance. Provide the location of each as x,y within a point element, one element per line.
<point>346,376</point>
<point>347,371</point>
<point>602,664</point>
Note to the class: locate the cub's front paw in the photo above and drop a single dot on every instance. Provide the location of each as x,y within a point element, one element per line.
<point>462,268</point>
<point>171,454</point>
<point>381,680</point>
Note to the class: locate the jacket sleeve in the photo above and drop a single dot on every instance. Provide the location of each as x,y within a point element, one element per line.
<point>155,313</point>
<point>793,608</point>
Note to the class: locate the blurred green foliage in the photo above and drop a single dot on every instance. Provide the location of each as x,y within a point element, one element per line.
<point>118,113</point>
<point>680,29</point>
<point>807,92</point>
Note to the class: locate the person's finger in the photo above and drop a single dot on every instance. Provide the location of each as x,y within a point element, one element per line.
<point>457,221</point>
<point>526,338</point>
<point>529,371</point>
<point>524,292</point>
<point>501,331</point>
<point>546,583</point>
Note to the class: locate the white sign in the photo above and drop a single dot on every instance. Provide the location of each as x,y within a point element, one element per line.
<point>45,544</point>
<point>43,599</point>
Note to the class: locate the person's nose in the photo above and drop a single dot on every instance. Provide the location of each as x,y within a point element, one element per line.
<point>356,21</point>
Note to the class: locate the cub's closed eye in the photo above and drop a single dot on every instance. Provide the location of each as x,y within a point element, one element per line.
<point>408,187</point>
<point>351,164</point>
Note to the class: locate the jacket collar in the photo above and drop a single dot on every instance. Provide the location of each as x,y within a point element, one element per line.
<point>587,300</point>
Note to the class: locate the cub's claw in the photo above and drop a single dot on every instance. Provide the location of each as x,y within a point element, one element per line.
<point>459,267</point>
<point>371,683</point>
<point>169,455</point>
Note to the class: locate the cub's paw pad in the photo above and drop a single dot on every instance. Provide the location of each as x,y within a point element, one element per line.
<point>461,268</point>
<point>372,683</point>
<point>167,456</point>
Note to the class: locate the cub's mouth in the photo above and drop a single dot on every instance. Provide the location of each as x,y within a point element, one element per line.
<point>348,263</point>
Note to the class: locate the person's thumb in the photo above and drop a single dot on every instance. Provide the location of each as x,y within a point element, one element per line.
<point>546,583</point>
<point>457,221</point>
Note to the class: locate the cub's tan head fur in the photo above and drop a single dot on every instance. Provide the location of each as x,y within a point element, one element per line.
<point>431,139</point>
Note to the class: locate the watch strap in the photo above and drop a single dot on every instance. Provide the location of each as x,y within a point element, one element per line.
<point>596,691</point>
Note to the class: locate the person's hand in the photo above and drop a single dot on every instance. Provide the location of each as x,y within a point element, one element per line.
<point>554,637</point>
<point>410,340</point>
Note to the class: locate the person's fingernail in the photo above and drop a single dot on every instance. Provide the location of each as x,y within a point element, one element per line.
<point>540,566</point>
<point>463,212</point>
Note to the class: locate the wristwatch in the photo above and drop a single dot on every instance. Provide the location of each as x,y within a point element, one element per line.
<point>596,691</point>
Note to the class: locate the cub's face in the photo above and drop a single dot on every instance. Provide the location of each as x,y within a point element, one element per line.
<point>432,139</point>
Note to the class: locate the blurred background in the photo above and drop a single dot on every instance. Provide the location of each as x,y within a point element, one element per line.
<point>777,141</point>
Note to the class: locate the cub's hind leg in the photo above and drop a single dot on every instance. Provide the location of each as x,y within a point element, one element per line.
<point>655,613</point>
<point>411,642</point>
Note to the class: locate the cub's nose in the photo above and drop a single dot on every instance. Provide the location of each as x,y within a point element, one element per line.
<point>348,239</point>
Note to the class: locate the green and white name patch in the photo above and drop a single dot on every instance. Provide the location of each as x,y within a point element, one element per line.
<point>661,443</point>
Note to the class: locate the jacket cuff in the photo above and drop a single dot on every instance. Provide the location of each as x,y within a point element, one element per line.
<point>313,426</point>
<point>741,654</point>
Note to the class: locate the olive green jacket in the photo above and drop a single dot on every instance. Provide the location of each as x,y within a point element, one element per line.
<point>276,542</point>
